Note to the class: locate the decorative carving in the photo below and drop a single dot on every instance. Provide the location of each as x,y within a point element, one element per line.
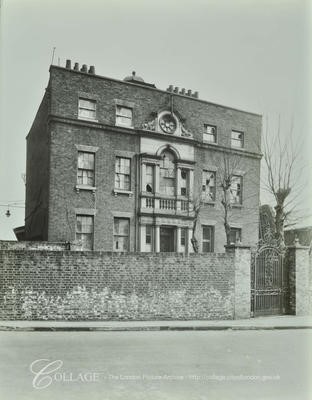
<point>185,132</point>
<point>150,126</point>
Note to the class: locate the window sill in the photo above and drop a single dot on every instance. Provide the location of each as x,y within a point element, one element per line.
<point>88,119</point>
<point>85,187</point>
<point>213,143</point>
<point>120,191</point>
<point>124,126</point>
<point>236,205</point>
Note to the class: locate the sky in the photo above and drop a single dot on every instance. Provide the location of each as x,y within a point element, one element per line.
<point>247,54</point>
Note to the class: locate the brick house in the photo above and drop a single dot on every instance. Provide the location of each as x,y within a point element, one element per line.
<point>118,165</point>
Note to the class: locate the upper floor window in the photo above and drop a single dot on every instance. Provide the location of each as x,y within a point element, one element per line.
<point>87,109</point>
<point>123,116</point>
<point>236,190</point>
<point>209,185</point>
<point>84,231</point>
<point>184,182</point>
<point>211,134</point>
<point>237,139</point>
<point>121,234</point>
<point>85,172</point>
<point>167,174</point>
<point>208,239</point>
<point>122,173</point>
<point>235,235</point>
<point>149,179</point>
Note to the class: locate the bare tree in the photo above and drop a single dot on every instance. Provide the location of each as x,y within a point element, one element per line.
<point>228,166</point>
<point>282,172</point>
<point>197,204</point>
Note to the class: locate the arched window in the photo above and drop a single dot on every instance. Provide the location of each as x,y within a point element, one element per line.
<point>167,173</point>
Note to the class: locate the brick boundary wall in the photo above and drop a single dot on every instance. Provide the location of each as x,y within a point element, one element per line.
<point>67,285</point>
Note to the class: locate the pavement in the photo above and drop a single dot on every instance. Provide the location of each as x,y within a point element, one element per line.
<point>259,323</point>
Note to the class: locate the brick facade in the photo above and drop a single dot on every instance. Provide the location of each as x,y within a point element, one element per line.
<point>52,198</point>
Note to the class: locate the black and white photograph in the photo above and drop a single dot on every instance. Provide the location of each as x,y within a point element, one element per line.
<point>155,200</point>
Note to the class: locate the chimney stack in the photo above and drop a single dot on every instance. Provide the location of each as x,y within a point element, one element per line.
<point>68,64</point>
<point>84,68</point>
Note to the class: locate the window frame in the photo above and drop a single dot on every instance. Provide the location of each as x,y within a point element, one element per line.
<point>80,107</point>
<point>119,235</point>
<point>213,135</point>
<point>232,196</point>
<point>152,175</point>
<point>85,185</point>
<point>206,199</point>
<point>187,182</point>
<point>236,230</point>
<point>234,140</point>
<point>119,116</point>
<point>85,233</point>
<point>211,240</point>
<point>122,174</point>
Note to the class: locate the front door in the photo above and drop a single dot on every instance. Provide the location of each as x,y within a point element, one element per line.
<point>167,239</point>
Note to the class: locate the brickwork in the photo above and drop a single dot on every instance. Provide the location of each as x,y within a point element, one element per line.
<point>52,199</point>
<point>29,245</point>
<point>37,284</point>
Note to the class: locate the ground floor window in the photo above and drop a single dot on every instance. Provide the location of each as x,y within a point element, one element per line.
<point>208,238</point>
<point>235,235</point>
<point>84,231</point>
<point>121,234</point>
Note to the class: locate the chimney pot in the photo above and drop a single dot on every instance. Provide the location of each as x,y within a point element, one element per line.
<point>76,67</point>
<point>182,91</point>
<point>68,64</point>
<point>170,88</point>
<point>195,95</point>
<point>176,89</point>
<point>189,92</point>
<point>92,70</point>
<point>84,68</point>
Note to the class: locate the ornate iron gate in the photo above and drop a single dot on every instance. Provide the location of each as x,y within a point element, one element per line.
<point>269,282</point>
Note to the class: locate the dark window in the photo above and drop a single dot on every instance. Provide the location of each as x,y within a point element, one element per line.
<point>84,231</point>
<point>121,234</point>
<point>148,234</point>
<point>208,239</point>
<point>183,237</point>
<point>235,235</point>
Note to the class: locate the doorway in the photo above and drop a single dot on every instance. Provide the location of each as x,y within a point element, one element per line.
<point>167,235</point>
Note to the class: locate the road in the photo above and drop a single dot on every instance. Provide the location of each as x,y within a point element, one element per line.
<point>201,365</point>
